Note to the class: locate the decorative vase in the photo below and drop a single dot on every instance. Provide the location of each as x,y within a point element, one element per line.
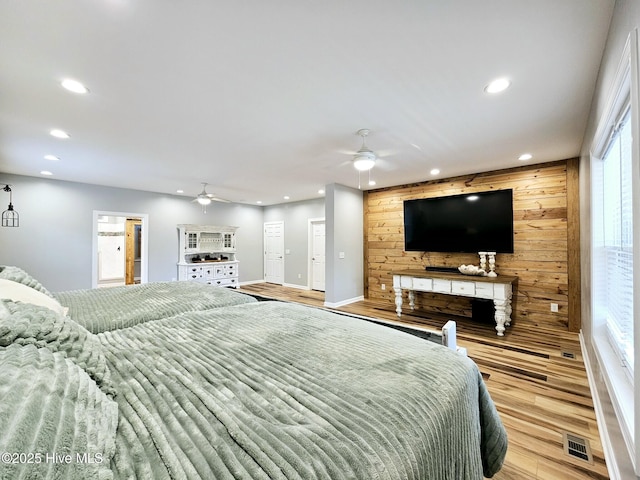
<point>492,264</point>
<point>483,260</point>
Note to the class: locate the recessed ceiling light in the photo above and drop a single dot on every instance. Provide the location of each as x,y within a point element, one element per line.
<point>321,192</point>
<point>179,191</point>
<point>498,85</point>
<point>51,157</point>
<point>286,197</point>
<point>59,133</point>
<point>372,183</point>
<point>435,171</point>
<point>74,86</point>
<point>45,172</point>
<point>525,156</point>
<point>259,202</point>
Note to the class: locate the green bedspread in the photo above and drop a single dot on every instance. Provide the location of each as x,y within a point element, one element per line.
<point>275,390</point>
<point>250,390</point>
<point>103,309</point>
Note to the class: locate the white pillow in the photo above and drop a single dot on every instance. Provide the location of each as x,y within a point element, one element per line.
<point>22,293</point>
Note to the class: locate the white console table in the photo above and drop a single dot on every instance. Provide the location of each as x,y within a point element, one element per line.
<point>499,289</point>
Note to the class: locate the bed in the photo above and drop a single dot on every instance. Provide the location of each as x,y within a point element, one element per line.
<point>231,388</point>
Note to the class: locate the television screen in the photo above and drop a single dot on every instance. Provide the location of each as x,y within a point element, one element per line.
<point>467,223</point>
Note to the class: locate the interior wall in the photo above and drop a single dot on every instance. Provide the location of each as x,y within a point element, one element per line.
<point>344,245</point>
<point>54,239</point>
<point>626,18</point>
<point>541,247</point>
<point>111,250</point>
<point>295,216</point>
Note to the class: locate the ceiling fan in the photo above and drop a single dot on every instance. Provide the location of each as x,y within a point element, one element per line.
<point>365,159</point>
<point>204,198</point>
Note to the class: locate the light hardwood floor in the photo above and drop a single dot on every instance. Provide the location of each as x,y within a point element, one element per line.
<point>539,392</point>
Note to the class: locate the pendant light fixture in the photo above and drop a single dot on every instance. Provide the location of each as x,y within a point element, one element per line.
<point>10,217</point>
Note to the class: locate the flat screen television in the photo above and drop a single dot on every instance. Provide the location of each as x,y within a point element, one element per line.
<point>467,223</point>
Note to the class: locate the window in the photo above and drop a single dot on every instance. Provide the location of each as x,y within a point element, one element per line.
<point>617,234</point>
<point>615,275</point>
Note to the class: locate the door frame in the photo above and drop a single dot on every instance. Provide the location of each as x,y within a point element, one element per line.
<point>144,246</point>
<point>310,251</point>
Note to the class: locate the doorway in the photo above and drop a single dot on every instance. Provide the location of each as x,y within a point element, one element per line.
<point>119,249</point>
<point>317,254</point>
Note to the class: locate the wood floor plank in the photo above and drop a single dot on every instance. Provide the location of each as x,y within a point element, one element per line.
<point>539,393</point>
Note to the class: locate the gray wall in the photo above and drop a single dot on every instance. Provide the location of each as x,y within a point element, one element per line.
<point>54,240</point>
<point>626,17</point>
<point>296,217</point>
<point>344,233</point>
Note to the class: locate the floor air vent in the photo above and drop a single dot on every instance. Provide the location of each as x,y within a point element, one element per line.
<point>577,447</point>
<point>568,354</point>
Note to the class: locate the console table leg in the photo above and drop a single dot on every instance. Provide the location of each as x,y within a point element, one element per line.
<point>398,300</point>
<point>508,311</point>
<point>412,299</point>
<point>501,316</point>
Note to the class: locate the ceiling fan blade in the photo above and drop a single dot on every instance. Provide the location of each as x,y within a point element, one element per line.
<point>386,153</point>
<point>385,165</point>
<point>344,151</point>
<point>218,199</point>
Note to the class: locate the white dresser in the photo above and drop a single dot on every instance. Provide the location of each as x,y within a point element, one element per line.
<point>499,289</point>
<point>208,254</point>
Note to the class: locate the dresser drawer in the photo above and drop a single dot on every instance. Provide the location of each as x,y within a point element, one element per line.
<point>221,282</point>
<point>484,290</point>
<point>424,284</point>
<point>405,282</point>
<point>463,288</point>
<point>441,286</point>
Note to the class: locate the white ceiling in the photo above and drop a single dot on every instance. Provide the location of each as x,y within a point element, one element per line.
<point>263,99</point>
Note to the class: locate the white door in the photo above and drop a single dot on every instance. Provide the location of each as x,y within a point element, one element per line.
<point>274,252</point>
<point>317,255</point>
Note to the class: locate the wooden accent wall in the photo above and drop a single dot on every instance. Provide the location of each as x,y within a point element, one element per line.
<point>545,244</point>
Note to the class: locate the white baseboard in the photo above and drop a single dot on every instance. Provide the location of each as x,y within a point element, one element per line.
<point>344,302</point>
<point>607,446</point>
<point>293,285</point>
<point>251,282</point>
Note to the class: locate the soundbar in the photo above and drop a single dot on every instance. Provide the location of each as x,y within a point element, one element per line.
<point>442,269</point>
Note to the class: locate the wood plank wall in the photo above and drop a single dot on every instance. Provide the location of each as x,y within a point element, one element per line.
<point>545,222</point>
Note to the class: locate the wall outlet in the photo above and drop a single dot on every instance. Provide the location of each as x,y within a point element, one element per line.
<point>383,286</point>
<point>554,307</point>
<point>299,275</point>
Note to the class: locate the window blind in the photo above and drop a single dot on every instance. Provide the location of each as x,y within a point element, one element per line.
<point>618,241</point>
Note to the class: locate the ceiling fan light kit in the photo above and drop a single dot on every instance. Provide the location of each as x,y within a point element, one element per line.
<point>364,159</point>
